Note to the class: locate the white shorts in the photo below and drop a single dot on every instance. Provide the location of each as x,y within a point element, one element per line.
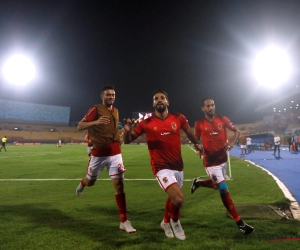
<point>217,173</point>
<point>243,146</point>
<point>167,178</point>
<point>113,163</point>
<point>89,150</point>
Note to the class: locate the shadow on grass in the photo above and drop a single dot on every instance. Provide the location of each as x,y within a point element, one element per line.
<point>101,227</point>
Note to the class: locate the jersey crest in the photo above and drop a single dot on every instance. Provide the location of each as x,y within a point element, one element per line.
<point>174,125</point>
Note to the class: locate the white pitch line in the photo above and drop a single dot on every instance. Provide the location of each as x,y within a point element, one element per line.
<point>280,184</point>
<point>294,206</point>
<point>76,180</point>
<point>191,148</point>
<point>28,155</point>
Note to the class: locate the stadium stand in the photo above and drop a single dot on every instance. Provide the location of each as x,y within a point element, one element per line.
<point>29,122</point>
<point>48,124</point>
<point>41,134</point>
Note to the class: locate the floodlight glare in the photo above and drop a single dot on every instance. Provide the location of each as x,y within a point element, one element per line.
<point>18,70</point>
<point>272,67</point>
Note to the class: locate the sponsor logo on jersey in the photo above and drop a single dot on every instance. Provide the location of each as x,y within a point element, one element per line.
<point>155,128</point>
<point>165,179</point>
<point>165,133</point>
<point>220,126</point>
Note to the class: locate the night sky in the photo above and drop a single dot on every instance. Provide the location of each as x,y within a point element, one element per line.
<point>191,49</point>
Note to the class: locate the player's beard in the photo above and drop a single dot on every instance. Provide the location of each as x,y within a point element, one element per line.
<point>109,102</point>
<point>210,114</point>
<point>160,108</point>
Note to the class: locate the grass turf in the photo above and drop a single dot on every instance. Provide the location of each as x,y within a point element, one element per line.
<point>39,209</point>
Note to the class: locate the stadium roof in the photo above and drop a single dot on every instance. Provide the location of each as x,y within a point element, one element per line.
<point>284,102</point>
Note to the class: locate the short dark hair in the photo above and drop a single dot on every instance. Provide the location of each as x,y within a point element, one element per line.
<point>106,87</point>
<point>161,91</point>
<point>203,100</point>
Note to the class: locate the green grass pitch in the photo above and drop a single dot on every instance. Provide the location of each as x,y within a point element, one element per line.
<point>39,208</point>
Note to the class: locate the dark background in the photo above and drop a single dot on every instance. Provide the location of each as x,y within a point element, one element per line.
<point>191,49</point>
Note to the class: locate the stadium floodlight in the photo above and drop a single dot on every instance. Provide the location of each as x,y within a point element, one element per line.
<point>272,67</point>
<point>18,70</point>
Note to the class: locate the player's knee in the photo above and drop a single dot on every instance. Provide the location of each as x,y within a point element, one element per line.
<point>178,203</point>
<point>178,200</point>
<point>223,188</point>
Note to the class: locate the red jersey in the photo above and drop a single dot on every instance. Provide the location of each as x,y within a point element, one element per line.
<point>214,136</point>
<point>109,150</point>
<point>163,138</point>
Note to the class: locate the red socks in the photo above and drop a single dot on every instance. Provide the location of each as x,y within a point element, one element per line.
<point>171,211</point>
<point>228,203</point>
<point>206,183</point>
<point>174,212</point>
<point>121,202</point>
<point>166,214</point>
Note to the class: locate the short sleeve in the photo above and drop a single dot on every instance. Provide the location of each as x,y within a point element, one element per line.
<point>91,115</point>
<point>184,124</point>
<point>229,124</point>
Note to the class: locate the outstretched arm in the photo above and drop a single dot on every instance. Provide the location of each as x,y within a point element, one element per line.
<point>129,133</point>
<point>189,133</point>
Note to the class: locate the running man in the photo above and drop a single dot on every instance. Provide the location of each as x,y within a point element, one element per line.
<point>163,138</point>
<point>4,140</point>
<point>102,123</point>
<point>212,131</point>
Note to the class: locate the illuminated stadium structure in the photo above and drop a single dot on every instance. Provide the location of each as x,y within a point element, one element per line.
<point>36,123</point>
<point>22,112</point>
<point>286,104</point>
<point>281,115</point>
